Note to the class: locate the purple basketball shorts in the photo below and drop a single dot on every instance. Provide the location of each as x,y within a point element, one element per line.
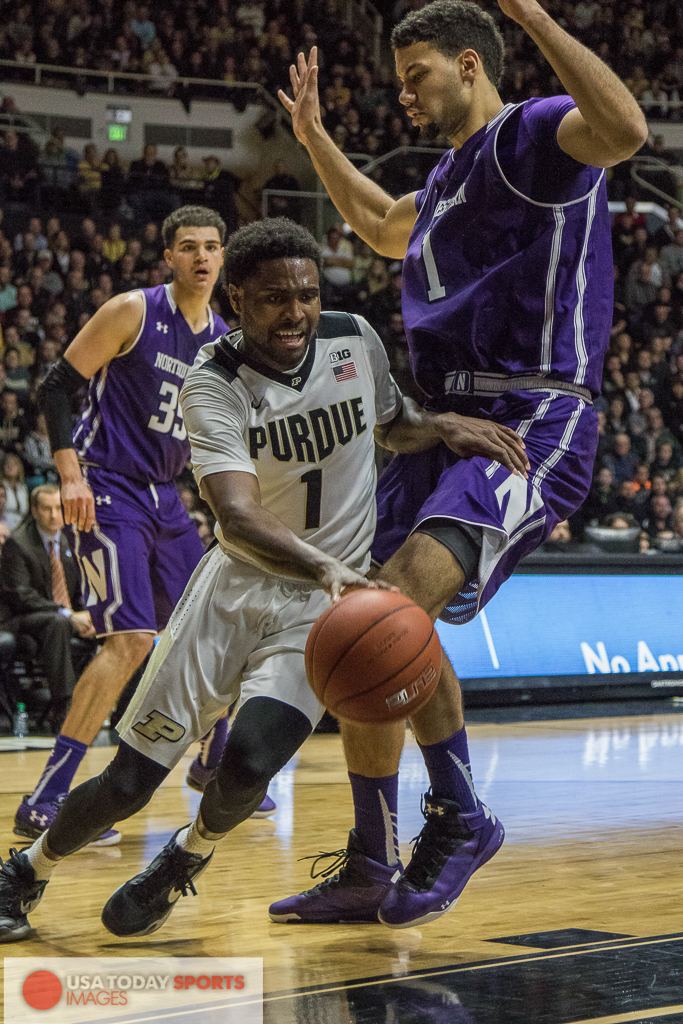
<point>137,559</point>
<point>516,515</point>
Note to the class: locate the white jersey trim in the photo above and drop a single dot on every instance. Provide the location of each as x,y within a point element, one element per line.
<point>551,277</point>
<point>535,202</point>
<point>142,326</point>
<point>579,324</point>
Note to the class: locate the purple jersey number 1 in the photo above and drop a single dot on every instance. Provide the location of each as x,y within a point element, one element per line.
<point>436,289</point>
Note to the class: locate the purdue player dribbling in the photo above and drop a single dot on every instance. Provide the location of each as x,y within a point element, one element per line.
<point>280,416</point>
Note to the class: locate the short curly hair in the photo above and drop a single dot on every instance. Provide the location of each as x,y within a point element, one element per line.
<point>453,26</point>
<point>274,238</point>
<point>191,217</point>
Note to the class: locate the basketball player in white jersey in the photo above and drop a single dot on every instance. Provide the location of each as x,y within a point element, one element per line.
<point>280,415</point>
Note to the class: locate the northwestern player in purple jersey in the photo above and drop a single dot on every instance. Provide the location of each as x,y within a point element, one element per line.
<point>507,303</point>
<point>135,544</point>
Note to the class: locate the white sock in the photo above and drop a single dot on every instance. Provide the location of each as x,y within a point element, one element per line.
<point>42,865</point>
<point>191,840</point>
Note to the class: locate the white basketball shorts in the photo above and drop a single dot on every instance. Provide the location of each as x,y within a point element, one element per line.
<point>236,633</point>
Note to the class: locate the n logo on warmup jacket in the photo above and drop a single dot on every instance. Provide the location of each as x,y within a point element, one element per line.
<point>97,577</point>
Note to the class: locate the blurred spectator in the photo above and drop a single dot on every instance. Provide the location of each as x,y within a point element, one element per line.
<point>337,253</point>
<point>220,188</point>
<point>89,181</point>
<point>622,462</point>
<point>8,293</point>
<point>12,479</point>
<point>148,178</point>
<point>40,594</point>
<point>283,206</point>
<point>114,247</point>
<point>38,456</point>
<point>113,183</point>
<point>16,375</point>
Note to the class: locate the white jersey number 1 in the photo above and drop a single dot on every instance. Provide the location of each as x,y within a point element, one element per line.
<point>436,289</point>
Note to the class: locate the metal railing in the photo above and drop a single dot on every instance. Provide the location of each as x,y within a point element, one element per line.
<point>89,80</point>
<point>661,168</point>
<point>318,220</point>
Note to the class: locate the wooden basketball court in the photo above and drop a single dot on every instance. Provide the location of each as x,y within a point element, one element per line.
<point>578,919</point>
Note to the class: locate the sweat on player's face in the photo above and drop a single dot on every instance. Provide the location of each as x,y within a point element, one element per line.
<point>279,309</point>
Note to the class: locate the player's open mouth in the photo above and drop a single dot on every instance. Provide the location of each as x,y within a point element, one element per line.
<point>291,339</point>
<point>202,273</point>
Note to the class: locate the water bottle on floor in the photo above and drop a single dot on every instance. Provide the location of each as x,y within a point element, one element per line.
<point>20,721</point>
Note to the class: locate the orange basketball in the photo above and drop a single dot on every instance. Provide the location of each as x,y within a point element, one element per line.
<point>373,656</point>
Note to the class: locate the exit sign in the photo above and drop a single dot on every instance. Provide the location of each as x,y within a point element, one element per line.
<point>117,132</point>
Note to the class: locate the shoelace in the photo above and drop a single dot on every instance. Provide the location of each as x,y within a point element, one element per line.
<point>12,871</point>
<point>340,861</point>
<point>430,850</point>
<point>170,870</point>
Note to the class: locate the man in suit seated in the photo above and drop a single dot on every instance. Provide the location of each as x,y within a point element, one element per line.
<point>40,594</point>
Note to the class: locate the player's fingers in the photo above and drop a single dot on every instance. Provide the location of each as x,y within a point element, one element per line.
<point>503,456</point>
<point>509,432</point>
<point>89,514</point>
<point>285,101</point>
<point>513,443</point>
<point>294,79</point>
<point>302,67</point>
<point>383,585</point>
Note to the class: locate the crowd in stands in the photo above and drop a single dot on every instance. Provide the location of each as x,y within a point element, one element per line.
<point>55,273</point>
<point>52,280</point>
<point>255,40</point>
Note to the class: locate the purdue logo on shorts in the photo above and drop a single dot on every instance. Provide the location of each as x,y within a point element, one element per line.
<point>159,727</point>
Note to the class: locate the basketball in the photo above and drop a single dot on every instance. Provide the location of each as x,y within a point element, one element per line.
<point>373,656</point>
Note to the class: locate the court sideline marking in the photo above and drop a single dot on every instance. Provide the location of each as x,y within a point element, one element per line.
<point>622,1018</point>
<point>486,965</point>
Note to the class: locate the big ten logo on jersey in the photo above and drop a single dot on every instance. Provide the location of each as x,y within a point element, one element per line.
<point>169,416</point>
<point>158,726</point>
<point>311,437</point>
<point>336,357</point>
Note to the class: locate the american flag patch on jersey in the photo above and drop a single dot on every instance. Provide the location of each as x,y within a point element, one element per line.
<point>347,371</point>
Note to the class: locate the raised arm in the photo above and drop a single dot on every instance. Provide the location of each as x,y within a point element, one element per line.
<point>110,331</point>
<point>608,126</point>
<point>384,223</point>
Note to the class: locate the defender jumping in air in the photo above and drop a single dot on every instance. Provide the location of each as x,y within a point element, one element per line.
<point>507,301</point>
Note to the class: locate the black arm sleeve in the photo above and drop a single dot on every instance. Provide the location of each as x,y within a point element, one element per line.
<point>54,399</point>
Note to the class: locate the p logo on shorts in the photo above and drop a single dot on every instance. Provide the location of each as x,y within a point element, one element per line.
<point>159,727</point>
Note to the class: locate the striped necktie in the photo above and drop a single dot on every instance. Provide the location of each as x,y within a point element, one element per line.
<point>60,592</point>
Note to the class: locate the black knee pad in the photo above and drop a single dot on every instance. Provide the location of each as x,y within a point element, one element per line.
<point>130,780</point>
<point>263,737</point>
<point>463,540</point>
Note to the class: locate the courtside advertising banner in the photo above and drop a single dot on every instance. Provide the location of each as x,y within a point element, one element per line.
<point>175,990</point>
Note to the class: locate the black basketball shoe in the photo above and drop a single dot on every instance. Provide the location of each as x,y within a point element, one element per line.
<point>20,893</point>
<point>141,905</point>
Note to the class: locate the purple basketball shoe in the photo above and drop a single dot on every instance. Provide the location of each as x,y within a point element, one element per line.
<point>31,820</point>
<point>198,776</point>
<point>449,849</point>
<point>352,896</point>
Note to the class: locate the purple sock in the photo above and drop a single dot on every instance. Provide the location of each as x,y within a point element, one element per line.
<point>448,764</point>
<point>213,743</point>
<point>59,771</point>
<point>376,805</point>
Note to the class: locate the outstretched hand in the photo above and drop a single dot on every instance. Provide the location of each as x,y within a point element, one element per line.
<point>305,107</point>
<point>468,437</point>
